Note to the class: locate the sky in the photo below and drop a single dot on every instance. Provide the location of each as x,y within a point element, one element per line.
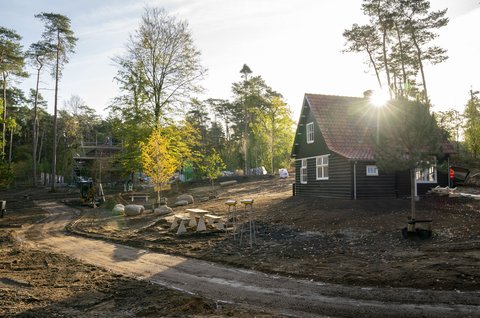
<point>295,45</point>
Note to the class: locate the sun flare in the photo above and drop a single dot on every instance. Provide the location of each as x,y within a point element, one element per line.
<point>379,98</point>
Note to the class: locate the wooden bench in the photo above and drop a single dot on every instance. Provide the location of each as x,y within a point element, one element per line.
<point>215,221</point>
<point>139,195</point>
<point>412,223</point>
<point>3,208</point>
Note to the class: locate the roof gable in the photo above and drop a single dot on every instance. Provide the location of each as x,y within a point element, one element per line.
<point>345,124</point>
<point>348,125</point>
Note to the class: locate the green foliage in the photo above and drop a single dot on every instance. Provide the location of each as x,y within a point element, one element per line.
<point>212,166</point>
<point>398,42</point>
<point>6,174</point>
<point>58,40</point>
<point>262,124</point>
<point>11,53</point>
<point>408,136</point>
<point>472,124</point>
<point>11,63</point>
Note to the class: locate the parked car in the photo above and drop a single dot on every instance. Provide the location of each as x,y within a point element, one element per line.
<point>227,173</point>
<point>259,171</point>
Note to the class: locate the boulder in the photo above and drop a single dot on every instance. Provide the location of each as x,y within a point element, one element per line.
<point>181,203</point>
<point>163,210</point>
<point>134,209</point>
<point>118,209</point>
<point>186,197</point>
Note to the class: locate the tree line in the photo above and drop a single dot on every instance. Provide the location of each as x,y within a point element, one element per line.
<point>398,41</point>
<point>159,76</point>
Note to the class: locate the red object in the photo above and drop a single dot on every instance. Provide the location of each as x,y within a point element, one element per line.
<point>452,173</point>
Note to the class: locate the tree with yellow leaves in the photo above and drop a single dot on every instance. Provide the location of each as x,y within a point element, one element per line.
<point>159,163</point>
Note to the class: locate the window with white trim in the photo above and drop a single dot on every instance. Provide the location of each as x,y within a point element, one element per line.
<point>310,133</point>
<point>427,174</point>
<point>372,170</point>
<point>303,171</point>
<point>322,167</point>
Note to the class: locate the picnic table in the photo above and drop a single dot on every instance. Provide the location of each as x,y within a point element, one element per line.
<point>194,213</point>
<point>179,221</point>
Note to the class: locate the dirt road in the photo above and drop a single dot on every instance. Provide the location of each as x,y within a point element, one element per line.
<point>281,295</point>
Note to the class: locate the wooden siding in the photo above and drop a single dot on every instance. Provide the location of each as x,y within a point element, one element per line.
<point>402,183</point>
<point>301,148</point>
<point>338,185</point>
<point>379,186</point>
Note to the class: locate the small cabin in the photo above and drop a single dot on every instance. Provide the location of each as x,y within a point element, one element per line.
<point>334,154</point>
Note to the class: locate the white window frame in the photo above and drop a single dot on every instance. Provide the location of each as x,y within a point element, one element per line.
<point>310,133</point>
<point>372,171</point>
<point>303,171</point>
<point>322,167</point>
<point>427,175</point>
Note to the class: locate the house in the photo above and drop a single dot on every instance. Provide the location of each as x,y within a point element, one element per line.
<point>334,153</point>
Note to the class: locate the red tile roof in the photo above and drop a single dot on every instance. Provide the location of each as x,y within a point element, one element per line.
<point>345,124</point>
<point>348,125</point>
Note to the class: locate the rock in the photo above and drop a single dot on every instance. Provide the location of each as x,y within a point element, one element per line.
<point>227,183</point>
<point>134,209</point>
<point>181,203</point>
<point>118,209</point>
<point>163,210</point>
<point>186,197</point>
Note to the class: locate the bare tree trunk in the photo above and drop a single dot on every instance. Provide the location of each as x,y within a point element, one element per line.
<point>413,194</point>
<point>41,146</point>
<point>245,141</point>
<point>402,59</point>
<point>272,143</point>
<point>420,65</point>
<point>54,151</point>
<point>10,148</point>
<point>4,125</point>
<point>35,134</point>
<point>372,60</point>
<point>385,60</point>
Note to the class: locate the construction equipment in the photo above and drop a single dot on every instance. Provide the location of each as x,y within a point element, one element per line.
<point>91,193</point>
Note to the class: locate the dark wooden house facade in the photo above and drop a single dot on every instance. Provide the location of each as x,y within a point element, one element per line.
<point>334,153</point>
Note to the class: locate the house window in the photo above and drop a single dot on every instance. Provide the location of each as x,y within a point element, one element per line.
<point>372,170</point>
<point>303,171</point>
<point>310,132</point>
<point>322,167</point>
<point>427,174</point>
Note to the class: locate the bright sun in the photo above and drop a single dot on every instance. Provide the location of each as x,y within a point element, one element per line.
<point>379,98</point>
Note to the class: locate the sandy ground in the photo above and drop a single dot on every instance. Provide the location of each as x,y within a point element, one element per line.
<point>355,243</point>
<point>338,241</point>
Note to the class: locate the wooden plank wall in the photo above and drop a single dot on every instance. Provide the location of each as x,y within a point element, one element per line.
<point>337,186</point>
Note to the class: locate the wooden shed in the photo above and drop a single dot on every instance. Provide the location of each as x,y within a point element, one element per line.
<point>334,153</point>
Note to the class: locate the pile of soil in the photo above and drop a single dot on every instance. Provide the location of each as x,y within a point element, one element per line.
<point>331,240</point>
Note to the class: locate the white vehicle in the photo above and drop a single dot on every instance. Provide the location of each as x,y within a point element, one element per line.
<point>283,173</point>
